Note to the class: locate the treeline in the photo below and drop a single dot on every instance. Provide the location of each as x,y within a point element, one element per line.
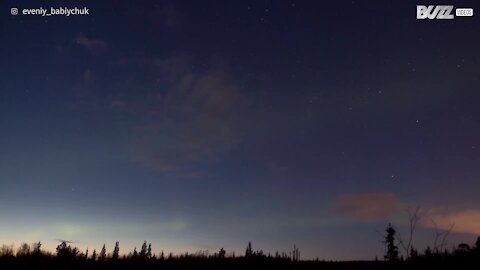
<point>65,251</point>
<point>461,251</point>
<point>67,256</point>
<point>462,256</point>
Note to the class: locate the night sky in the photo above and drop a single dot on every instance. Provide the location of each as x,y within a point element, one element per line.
<point>197,125</point>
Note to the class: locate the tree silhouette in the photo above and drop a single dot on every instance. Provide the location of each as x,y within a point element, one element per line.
<point>392,249</point>
<point>441,236</point>
<point>6,251</point>
<point>463,248</point>
<point>428,251</point>
<point>68,257</point>
<point>222,253</point>
<point>413,254</point>
<point>149,251</point>
<point>249,251</point>
<point>94,255</point>
<point>143,251</point>
<point>36,248</point>
<point>116,251</point>
<point>61,248</point>
<point>135,253</point>
<point>23,250</point>
<point>65,251</point>
<point>413,218</point>
<point>102,256</point>
<point>296,254</point>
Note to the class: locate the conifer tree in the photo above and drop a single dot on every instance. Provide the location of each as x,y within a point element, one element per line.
<point>37,249</point>
<point>103,254</point>
<point>149,251</point>
<point>222,253</point>
<point>143,251</point>
<point>249,251</point>
<point>135,253</point>
<point>392,249</point>
<point>116,251</point>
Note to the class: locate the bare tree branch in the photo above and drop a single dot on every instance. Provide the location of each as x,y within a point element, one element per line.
<point>443,235</point>
<point>413,219</point>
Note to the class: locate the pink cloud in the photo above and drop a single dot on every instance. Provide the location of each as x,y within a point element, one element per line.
<point>465,221</point>
<point>368,206</point>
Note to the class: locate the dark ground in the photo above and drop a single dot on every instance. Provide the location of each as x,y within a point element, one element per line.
<point>237,263</point>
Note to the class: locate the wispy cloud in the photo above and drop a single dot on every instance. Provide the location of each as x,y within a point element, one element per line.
<point>368,206</point>
<point>94,46</point>
<point>381,205</point>
<point>190,118</point>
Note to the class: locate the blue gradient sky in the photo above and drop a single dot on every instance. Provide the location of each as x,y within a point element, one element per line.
<point>205,124</point>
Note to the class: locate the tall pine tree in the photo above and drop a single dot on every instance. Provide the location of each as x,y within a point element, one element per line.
<point>103,254</point>
<point>116,251</point>
<point>94,255</point>
<point>149,251</point>
<point>249,251</point>
<point>392,249</point>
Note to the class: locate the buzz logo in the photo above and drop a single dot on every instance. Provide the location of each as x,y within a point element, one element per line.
<point>434,12</point>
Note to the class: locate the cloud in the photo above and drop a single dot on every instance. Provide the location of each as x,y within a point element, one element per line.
<point>192,118</point>
<point>94,46</point>
<point>465,221</point>
<point>368,206</point>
